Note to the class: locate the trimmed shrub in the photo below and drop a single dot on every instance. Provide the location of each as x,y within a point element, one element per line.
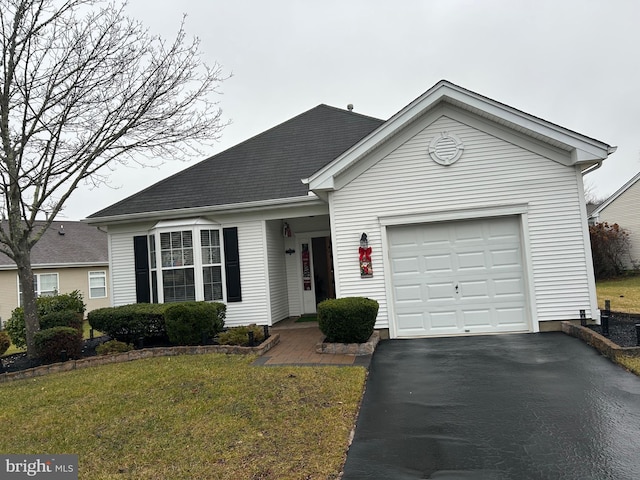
<point>191,323</point>
<point>48,307</point>
<point>240,335</point>
<point>52,341</point>
<point>113,346</point>
<point>347,320</point>
<point>129,323</point>
<point>5,342</point>
<point>65,318</point>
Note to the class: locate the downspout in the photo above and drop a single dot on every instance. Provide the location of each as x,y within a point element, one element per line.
<point>592,168</point>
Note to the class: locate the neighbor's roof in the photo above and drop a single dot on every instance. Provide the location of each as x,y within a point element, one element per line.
<point>616,194</point>
<point>81,245</point>
<point>266,167</point>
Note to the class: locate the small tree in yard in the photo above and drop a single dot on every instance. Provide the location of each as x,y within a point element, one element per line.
<point>609,247</point>
<point>83,87</point>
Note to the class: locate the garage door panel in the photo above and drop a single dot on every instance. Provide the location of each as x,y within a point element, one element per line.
<point>472,260</point>
<point>447,320</point>
<point>474,290</point>
<point>477,318</point>
<point>438,263</point>
<point>406,265</point>
<point>481,257</point>
<point>506,258</point>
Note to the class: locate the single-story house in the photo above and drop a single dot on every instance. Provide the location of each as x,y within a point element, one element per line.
<point>70,256</point>
<point>622,208</point>
<point>459,215</point>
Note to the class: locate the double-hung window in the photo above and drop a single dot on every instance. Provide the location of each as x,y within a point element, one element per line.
<point>185,263</point>
<point>98,284</point>
<point>44,284</point>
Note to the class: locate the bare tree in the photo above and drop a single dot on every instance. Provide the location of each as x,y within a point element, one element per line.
<point>83,88</point>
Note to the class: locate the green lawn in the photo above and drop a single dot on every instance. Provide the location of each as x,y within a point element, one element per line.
<point>192,417</point>
<point>624,294</point>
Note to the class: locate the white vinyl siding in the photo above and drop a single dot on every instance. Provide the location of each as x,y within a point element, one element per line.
<point>121,261</point>
<point>491,172</point>
<point>253,307</point>
<point>277,272</point>
<point>624,211</point>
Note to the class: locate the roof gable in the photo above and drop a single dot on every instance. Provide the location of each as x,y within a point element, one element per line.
<point>581,149</point>
<point>81,244</point>
<point>615,195</point>
<point>266,167</point>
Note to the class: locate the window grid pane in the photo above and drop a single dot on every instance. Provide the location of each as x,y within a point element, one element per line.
<point>176,249</point>
<point>212,280</point>
<point>178,285</point>
<point>210,244</point>
<point>97,284</point>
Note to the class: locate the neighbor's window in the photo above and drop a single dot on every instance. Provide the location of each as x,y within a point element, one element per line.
<point>98,284</point>
<point>44,284</point>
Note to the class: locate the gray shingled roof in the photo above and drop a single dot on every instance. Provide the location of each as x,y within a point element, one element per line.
<point>80,244</point>
<point>267,166</point>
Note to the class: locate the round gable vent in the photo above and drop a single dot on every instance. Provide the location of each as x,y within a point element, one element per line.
<point>446,149</point>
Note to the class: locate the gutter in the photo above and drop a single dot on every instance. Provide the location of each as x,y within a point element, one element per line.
<point>596,166</point>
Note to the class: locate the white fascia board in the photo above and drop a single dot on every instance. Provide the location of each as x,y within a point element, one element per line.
<point>587,150</point>
<point>248,207</point>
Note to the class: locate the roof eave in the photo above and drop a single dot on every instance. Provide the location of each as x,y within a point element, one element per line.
<point>245,207</point>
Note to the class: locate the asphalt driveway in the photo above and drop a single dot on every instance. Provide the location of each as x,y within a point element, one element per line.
<point>526,406</point>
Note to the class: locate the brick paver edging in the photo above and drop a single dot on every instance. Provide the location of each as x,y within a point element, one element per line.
<point>264,347</point>
<point>366,348</point>
<point>601,343</point>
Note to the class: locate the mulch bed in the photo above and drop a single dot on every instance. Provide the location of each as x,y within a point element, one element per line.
<point>20,361</point>
<point>622,329</point>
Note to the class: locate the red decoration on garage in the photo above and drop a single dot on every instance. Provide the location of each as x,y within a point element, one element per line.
<point>366,269</point>
<point>306,267</point>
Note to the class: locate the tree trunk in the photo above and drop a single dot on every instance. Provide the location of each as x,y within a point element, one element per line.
<point>28,302</point>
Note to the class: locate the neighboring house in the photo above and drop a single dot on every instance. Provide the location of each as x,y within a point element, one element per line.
<point>473,211</point>
<point>69,256</point>
<point>622,208</point>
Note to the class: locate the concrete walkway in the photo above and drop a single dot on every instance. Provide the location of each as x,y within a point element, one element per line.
<point>298,347</point>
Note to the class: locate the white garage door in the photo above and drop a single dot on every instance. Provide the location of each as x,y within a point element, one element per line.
<point>458,277</point>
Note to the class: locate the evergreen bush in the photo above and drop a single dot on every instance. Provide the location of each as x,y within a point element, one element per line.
<point>191,323</point>
<point>347,320</point>
<point>240,335</point>
<point>52,342</point>
<point>5,342</point>
<point>128,323</point>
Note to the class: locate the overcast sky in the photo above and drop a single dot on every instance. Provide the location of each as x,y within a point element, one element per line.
<point>572,62</point>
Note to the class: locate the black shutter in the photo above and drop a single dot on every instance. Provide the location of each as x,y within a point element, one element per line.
<point>232,264</point>
<point>141,265</point>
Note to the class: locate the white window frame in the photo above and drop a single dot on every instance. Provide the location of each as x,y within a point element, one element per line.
<point>37,282</point>
<point>155,265</point>
<point>93,274</point>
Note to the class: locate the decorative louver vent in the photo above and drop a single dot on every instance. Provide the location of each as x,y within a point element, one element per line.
<point>446,149</point>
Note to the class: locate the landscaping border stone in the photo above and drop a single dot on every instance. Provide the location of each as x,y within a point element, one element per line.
<point>261,349</point>
<point>601,343</point>
<point>366,348</point>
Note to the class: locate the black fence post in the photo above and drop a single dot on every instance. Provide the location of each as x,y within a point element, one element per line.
<point>266,331</point>
<point>251,339</point>
<point>583,318</point>
<point>638,334</point>
<point>604,317</point>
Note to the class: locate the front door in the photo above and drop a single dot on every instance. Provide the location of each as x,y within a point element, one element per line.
<point>317,271</point>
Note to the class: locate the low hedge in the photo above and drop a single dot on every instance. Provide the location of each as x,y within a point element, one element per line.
<point>347,320</point>
<point>52,342</point>
<point>128,323</point>
<point>191,323</point>
<point>240,336</point>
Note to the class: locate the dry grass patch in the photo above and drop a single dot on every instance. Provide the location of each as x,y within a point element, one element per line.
<point>624,294</point>
<point>206,417</point>
<point>630,363</point>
